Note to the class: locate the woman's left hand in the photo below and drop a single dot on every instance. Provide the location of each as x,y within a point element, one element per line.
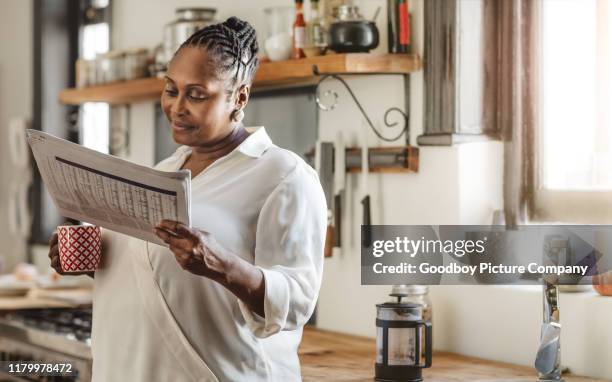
<point>196,251</point>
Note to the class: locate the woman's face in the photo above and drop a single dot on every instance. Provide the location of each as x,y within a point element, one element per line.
<point>195,101</point>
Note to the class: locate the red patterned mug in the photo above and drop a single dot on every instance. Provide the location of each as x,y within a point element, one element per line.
<point>80,247</point>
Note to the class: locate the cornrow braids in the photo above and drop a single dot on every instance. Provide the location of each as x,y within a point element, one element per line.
<point>233,45</point>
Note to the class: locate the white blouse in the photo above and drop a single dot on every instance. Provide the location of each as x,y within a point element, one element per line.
<point>266,205</point>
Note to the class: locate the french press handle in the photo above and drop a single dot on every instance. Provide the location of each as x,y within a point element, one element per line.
<point>428,343</point>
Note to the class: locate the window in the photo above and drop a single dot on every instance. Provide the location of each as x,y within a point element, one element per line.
<point>95,115</point>
<point>574,175</point>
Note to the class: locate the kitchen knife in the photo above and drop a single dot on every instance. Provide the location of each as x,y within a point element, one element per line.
<point>339,185</point>
<point>366,233</point>
<point>547,358</point>
<point>366,238</point>
<point>324,165</point>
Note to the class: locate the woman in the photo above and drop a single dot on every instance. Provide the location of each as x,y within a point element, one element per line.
<point>228,298</point>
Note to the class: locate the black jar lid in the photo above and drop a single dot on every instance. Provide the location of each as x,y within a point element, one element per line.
<point>395,305</point>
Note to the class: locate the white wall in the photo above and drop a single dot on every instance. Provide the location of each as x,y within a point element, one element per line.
<point>16,78</point>
<point>503,323</point>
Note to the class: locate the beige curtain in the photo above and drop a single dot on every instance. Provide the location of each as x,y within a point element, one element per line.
<point>517,101</point>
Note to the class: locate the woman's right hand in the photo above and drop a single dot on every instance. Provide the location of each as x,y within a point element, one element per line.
<point>55,259</point>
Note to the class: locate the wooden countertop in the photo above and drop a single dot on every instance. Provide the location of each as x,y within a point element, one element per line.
<point>329,356</point>
<point>52,298</point>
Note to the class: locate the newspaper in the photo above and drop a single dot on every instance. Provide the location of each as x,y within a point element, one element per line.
<point>110,192</point>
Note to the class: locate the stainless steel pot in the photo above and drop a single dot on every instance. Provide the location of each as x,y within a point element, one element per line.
<point>188,21</point>
<point>347,12</point>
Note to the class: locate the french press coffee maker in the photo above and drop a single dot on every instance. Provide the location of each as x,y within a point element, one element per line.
<point>403,341</point>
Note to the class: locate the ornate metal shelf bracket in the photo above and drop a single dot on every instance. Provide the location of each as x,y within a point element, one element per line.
<point>334,95</point>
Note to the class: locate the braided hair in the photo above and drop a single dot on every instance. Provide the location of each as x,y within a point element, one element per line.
<point>233,47</point>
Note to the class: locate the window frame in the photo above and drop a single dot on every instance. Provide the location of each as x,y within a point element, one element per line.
<point>559,205</point>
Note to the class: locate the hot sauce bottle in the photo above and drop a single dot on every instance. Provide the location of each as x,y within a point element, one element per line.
<point>399,26</point>
<point>404,26</point>
<point>299,31</point>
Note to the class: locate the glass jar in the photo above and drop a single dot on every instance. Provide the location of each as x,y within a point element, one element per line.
<point>136,63</point>
<point>278,39</point>
<point>316,35</point>
<point>110,67</point>
<point>416,294</point>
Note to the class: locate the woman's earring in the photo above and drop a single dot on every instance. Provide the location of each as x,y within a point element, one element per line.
<point>238,115</point>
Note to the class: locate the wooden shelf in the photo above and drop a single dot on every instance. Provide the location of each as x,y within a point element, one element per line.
<point>144,89</point>
<point>271,75</point>
<point>402,159</point>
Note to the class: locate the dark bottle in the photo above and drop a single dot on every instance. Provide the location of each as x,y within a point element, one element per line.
<point>399,26</point>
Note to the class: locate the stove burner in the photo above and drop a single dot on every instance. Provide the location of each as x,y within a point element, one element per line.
<point>71,323</point>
